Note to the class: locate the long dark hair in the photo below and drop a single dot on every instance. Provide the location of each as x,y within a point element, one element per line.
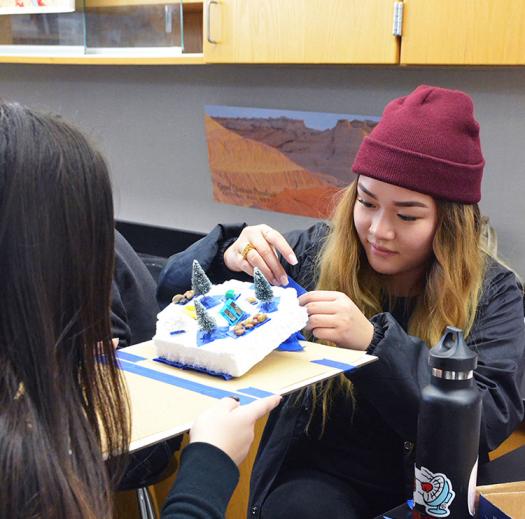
<point>62,399</point>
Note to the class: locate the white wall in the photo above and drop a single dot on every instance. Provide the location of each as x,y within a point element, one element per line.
<point>149,123</point>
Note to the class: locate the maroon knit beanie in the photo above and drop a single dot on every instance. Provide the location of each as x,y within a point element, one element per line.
<point>427,141</point>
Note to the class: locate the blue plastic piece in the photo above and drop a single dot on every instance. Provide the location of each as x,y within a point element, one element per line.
<point>232,312</point>
<point>292,343</point>
<point>210,301</point>
<point>204,337</point>
<point>298,288</point>
<point>270,306</point>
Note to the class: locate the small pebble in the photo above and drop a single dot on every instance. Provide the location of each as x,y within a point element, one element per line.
<point>177,298</point>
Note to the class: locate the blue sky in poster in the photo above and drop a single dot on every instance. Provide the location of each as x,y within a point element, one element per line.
<point>314,120</point>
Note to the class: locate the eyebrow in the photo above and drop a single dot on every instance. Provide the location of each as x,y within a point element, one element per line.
<point>410,203</point>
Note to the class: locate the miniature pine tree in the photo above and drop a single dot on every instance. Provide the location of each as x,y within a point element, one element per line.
<point>200,282</point>
<point>263,289</point>
<point>206,321</point>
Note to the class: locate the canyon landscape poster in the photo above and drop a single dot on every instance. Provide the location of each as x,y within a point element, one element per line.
<point>282,160</point>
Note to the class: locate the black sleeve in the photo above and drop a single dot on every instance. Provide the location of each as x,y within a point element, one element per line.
<point>134,307</point>
<point>393,384</point>
<point>206,480</point>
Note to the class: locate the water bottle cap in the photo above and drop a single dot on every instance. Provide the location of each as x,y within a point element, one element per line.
<point>451,353</point>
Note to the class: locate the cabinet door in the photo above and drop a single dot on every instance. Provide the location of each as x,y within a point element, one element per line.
<point>463,32</point>
<point>299,31</point>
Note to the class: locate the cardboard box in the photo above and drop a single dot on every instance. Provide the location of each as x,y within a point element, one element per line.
<point>502,501</point>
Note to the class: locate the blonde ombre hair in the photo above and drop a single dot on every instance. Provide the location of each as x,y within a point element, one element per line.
<point>449,295</point>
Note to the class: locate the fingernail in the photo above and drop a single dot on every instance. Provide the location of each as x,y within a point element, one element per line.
<point>284,280</point>
<point>292,259</point>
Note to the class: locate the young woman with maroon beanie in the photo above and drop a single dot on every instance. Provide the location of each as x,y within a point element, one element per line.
<point>401,259</point>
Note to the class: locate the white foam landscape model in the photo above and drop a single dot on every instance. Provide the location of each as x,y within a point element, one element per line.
<point>229,355</point>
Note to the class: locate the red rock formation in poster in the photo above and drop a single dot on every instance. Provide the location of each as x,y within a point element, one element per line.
<point>279,164</point>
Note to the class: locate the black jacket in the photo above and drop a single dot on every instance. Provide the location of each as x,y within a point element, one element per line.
<point>390,387</point>
<point>134,306</point>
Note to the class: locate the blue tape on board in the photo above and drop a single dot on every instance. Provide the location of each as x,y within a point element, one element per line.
<point>334,364</point>
<point>172,380</point>
<point>253,391</point>
<point>181,365</point>
<point>124,355</point>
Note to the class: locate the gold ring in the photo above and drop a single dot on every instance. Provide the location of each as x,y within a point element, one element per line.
<point>247,248</point>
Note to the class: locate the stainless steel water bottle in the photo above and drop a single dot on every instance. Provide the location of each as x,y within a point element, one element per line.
<point>448,432</point>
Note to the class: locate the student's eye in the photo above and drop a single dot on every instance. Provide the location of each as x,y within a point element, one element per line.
<point>407,218</point>
<point>365,203</point>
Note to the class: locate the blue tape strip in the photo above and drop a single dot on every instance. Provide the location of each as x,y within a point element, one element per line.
<point>334,364</point>
<point>182,383</point>
<point>124,355</point>
<point>253,391</point>
<point>181,365</point>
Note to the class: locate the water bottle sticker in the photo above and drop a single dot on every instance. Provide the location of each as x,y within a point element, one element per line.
<point>472,490</point>
<point>434,492</point>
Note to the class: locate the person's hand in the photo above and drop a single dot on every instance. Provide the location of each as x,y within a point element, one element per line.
<point>229,426</point>
<point>334,317</point>
<point>265,243</point>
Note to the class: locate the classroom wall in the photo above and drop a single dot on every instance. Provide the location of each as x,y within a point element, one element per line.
<point>149,123</point>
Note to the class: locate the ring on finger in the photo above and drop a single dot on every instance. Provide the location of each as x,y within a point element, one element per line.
<point>246,250</point>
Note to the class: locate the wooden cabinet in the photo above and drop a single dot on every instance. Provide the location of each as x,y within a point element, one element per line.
<point>434,32</point>
<point>463,32</point>
<point>299,31</point>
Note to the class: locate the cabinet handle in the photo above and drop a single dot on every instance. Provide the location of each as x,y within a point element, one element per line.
<point>208,22</point>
